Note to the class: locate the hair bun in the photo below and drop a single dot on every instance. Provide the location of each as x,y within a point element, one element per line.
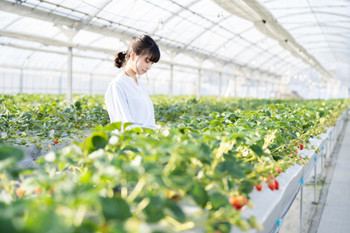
<point>120,59</point>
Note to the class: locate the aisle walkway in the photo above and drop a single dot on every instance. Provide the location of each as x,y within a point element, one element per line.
<point>336,213</point>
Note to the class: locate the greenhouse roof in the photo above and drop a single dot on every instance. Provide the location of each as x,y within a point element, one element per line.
<point>276,38</point>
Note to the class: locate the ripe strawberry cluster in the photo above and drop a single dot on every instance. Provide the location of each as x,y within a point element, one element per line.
<point>239,201</point>
<point>272,183</point>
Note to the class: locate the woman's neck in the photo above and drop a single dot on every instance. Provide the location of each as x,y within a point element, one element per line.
<point>131,73</point>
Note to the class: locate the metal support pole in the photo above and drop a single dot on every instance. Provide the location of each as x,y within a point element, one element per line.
<point>3,84</point>
<point>331,143</point>
<point>301,209</point>
<point>247,87</point>
<point>327,148</point>
<point>322,154</point>
<point>235,87</point>
<point>33,85</point>
<point>220,85</point>
<point>315,181</point>
<point>91,82</point>
<point>60,84</point>
<point>280,88</point>
<point>69,74</point>
<point>171,81</point>
<point>21,82</point>
<point>199,84</point>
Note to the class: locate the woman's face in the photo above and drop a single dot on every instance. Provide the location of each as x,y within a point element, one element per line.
<point>142,64</point>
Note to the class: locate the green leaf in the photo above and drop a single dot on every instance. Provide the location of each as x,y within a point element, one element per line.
<point>45,221</point>
<point>180,178</point>
<point>113,126</point>
<point>99,141</point>
<point>154,210</point>
<point>175,209</point>
<point>292,134</point>
<point>215,122</point>
<point>246,186</point>
<point>4,134</point>
<point>115,208</point>
<point>10,152</point>
<point>199,195</point>
<point>218,200</point>
<point>77,104</point>
<point>127,124</point>
<point>6,225</point>
<point>50,133</point>
<point>96,141</point>
<point>231,167</point>
<point>257,149</point>
<point>88,226</point>
<point>136,129</point>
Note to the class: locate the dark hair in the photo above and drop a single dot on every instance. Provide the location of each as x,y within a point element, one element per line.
<point>141,45</point>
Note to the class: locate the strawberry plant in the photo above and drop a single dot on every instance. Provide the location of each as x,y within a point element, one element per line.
<point>206,160</point>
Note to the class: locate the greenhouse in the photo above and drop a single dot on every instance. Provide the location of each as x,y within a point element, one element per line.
<point>174,116</point>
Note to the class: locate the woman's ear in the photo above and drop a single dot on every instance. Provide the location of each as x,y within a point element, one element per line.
<point>132,55</point>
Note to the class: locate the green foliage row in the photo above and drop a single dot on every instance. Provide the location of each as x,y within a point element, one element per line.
<point>166,180</point>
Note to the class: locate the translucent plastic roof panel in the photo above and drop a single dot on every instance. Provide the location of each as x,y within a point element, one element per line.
<point>209,40</point>
<point>321,27</point>
<point>193,29</point>
<point>109,43</point>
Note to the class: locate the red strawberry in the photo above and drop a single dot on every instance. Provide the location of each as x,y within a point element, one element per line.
<point>301,146</point>
<point>258,186</point>
<point>37,190</point>
<point>55,141</point>
<point>52,191</point>
<point>20,192</point>
<point>277,185</point>
<point>278,170</point>
<point>233,200</point>
<point>238,202</point>
<point>272,185</point>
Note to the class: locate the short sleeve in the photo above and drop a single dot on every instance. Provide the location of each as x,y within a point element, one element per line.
<point>116,104</point>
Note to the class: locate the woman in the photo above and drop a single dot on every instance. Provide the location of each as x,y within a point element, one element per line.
<point>126,97</point>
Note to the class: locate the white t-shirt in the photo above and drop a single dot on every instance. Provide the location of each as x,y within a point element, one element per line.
<point>127,101</point>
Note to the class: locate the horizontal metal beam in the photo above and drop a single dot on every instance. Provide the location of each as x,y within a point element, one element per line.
<point>53,42</point>
<point>51,51</point>
<point>53,70</point>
